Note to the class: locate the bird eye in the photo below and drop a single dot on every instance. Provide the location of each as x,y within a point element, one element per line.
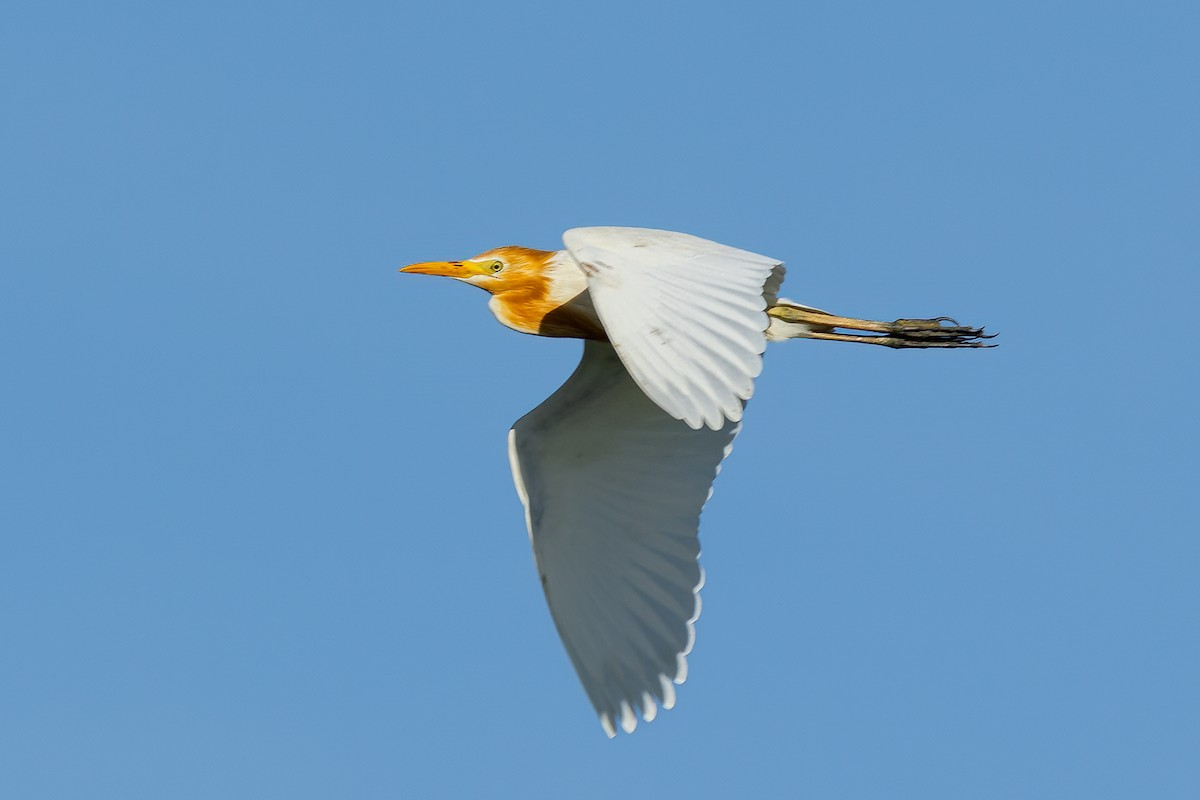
<point>496,266</point>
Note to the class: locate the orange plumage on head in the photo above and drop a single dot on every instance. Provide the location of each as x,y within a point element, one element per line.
<point>533,291</point>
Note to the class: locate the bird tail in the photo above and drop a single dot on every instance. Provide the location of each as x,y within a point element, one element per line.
<point>792,320</point>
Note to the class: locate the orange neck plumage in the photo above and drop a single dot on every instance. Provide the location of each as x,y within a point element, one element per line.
<point>543,294</point>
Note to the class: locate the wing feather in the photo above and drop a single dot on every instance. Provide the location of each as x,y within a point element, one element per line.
<point>613,487</point>
<point>686,315</point>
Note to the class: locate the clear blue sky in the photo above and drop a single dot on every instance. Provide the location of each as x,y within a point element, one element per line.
<point>258,537</point>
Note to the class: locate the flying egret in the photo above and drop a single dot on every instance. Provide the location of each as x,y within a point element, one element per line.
<point>614,468</point>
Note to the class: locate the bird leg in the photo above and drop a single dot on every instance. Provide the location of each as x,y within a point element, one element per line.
<point>901,333</point>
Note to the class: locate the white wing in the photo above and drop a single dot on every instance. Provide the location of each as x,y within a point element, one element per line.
<point>613,488</point>
<point>686,315</point>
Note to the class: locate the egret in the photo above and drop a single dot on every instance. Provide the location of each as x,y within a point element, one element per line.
<point>614,467</point>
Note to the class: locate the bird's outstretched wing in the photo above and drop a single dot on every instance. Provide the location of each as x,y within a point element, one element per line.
<point>613,487</point>
<point>686,315</point>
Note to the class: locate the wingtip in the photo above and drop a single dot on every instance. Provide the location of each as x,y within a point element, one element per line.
<point>668,692</point>
<point>649,708</point>
<point>628,718</point>
<point>681,669</point>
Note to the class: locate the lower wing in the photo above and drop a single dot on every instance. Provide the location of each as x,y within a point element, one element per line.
<point>613,487</point>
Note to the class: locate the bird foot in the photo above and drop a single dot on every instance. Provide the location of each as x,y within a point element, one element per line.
<point>902,333</point>
<point>934,333</point>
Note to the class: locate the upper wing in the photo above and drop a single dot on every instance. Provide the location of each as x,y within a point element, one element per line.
<point>686,315</point>
<point>613,488</point>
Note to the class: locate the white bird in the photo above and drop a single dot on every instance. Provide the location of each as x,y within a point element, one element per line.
<point>614,468</point>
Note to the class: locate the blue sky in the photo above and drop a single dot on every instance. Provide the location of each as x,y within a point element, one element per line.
<point>257,533</point>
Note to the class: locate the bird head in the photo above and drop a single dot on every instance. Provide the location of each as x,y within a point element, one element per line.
<point>499,270</point>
